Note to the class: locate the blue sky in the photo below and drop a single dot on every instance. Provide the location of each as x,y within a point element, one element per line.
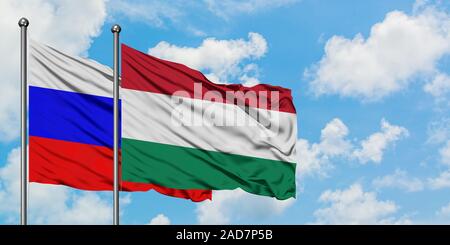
<point>370,81</point>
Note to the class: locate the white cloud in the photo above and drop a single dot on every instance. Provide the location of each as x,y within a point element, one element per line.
<point>333,140</point>
<point>444,211</point>
<point>439,134</point>
<point>373,147</point>
<point>439,86</point>
<point>9,183</point>
<point>67,25</point>
<point>249,81</point>
<point>234,206</point>
<point>445,153</point>
<point>228,8</point>
<point>354,206</point>
<point>314,158</point>
<point>441,181</point>
<point>50,204</point>
<point>399,179</point>
<point>439,131</point>
<point>397,49</point>
<point>9,110</point>
<point>160,219</point>
<point>250,75</point>
<point>219,68</point>
<point>59,205</point>
<point>310,160</point>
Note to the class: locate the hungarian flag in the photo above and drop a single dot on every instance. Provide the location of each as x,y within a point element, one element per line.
<point>182,131</point>
<point>71,125</point>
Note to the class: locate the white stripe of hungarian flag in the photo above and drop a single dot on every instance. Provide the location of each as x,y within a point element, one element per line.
<point>182,131</point>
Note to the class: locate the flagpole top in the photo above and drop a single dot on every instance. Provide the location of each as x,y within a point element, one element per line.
<point>116,28</point>
<point>23,22</point>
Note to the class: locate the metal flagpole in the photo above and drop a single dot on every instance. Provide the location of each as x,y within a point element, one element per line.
<point>23,23</point>
<point>116,30</point>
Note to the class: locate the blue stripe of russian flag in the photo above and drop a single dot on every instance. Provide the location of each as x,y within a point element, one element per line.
<point>71,116</point>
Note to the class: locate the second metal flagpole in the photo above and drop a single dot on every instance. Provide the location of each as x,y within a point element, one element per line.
<point>116,30</point>
<point>23,23</point>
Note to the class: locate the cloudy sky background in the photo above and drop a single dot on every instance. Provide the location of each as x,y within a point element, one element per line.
<point>370,80</point>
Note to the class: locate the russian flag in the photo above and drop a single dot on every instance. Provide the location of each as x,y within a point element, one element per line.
<point>71,125</point>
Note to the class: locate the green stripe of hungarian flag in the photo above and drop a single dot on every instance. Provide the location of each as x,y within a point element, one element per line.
<point>182,131</point>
